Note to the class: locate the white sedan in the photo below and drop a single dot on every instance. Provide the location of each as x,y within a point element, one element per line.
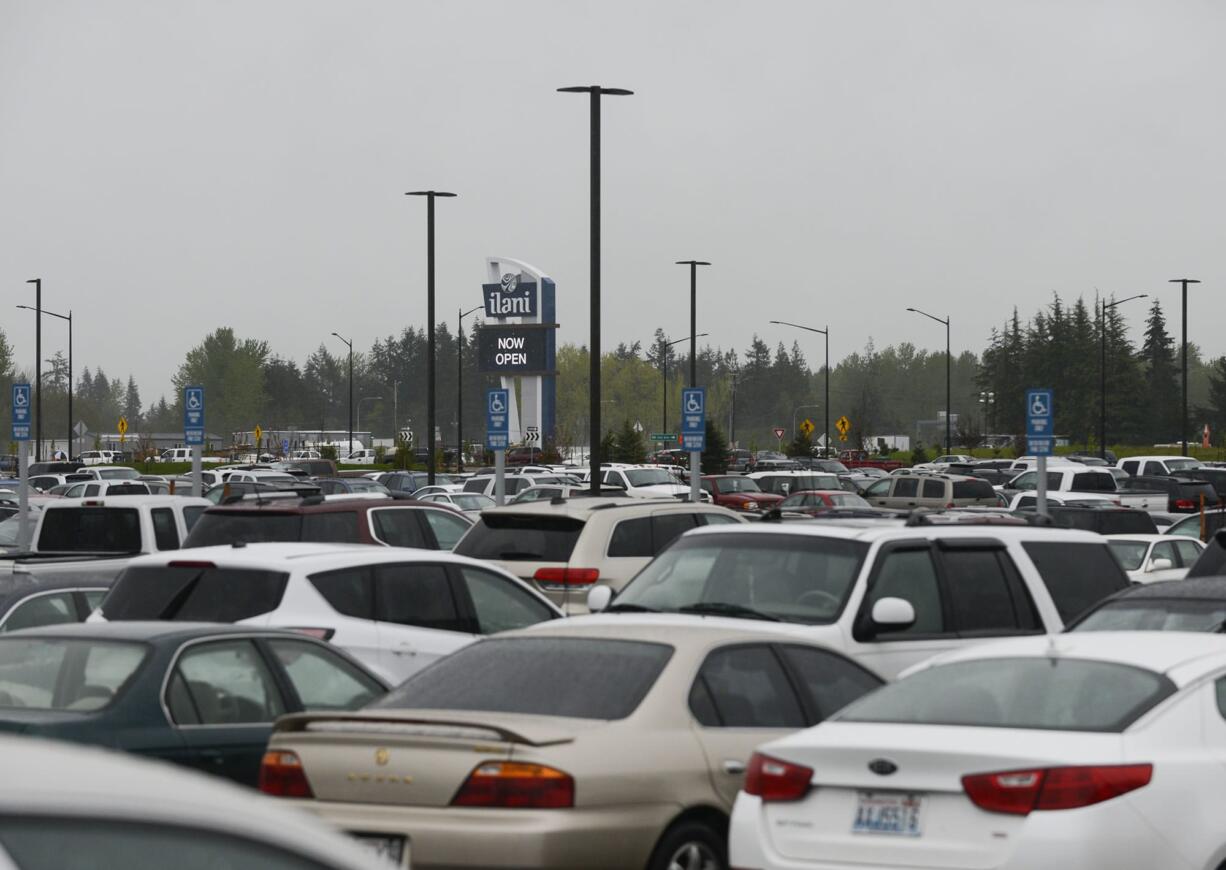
<point>1149,558</point>
<point>1097,750</point>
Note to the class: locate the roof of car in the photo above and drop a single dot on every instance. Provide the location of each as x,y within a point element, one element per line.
<point>143,631</point>
<point>128,501</point>
<point>583,508</point>
<point>1211,588</point>
<point>342,503</point>
<point>665,627</point>
<point>1147,539</point>
<point>873,530</point>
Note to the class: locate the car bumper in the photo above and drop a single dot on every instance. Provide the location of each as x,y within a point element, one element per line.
<point>452,838</point>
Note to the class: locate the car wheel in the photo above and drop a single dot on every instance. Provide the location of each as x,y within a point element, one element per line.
<point>690,846</point>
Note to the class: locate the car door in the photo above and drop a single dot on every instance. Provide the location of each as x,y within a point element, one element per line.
<point>903,494</point>
<point>223,698</point>
<point>984,592</point>
<point>932,493</point>
<point>1164,550</point>
<point>741,698</point>
<point>444,526</point>
<point>878,493</point>
<point>319,677</point>
<point>350,593</point>
<point>418,616</point>
<point>498,603</point>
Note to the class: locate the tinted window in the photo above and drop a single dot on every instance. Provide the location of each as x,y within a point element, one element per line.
<point>321,678</point>
<point>399,528</point>
<point>632,538</point>
<point>521,536</point>
<point>229,684</point>
<point>191,513</point>
<point>350,591</point>
<point>1156,614</point>
<point>53,609</point>
<point>934,489</point>
<point>1046,693</point>
<point>973,489</point>
<point>905,487</point>
<point>604,679</point>
<point>90,529</point>
<point>500,604</point>
<point>194,594</point>
<point>1129,554</point>
<point>331,528</point>
<point>1212,561</point>
<point>447,527</point>
<point>1076,575</point>
<point>1188,552</point>
<point>227,527</point>
<point>911,576</point>
<point>417,595</point>
<point>666,528</point>
<point>165,533</point>
<point>61,674</point>
<point>1091,481</point>
<point>749,689</point>
<point>979,593</point>
<point>1194,492</point>
<point>829,682</point>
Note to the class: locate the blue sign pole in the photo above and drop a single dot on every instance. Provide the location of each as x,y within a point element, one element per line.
<point>21,412</point>
<point>694,432</point>
<point>497,434</point>
<point>21,434</point>
<point>193,433</point>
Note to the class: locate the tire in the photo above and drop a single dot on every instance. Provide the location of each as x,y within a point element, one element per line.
<point>690,846</point>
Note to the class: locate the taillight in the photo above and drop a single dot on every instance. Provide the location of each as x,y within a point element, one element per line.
<point>281,774</point>
<point>1185,504</point>
<point>516,785</point>
<point>775,780</point>
<point>567,576</point>
<point>1020,792</point>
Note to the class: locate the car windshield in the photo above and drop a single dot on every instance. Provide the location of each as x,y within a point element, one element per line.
<point>649,476</point>
<point>603,679</point>
<point>795,578</point>
<point>193,592</point>
<point>736,484</point>
<point>60,674</point>
<point>11,527</point>
<point>1156,614</point>
<point>1040,693</point>
<point>1173,465</point>
<point>1129,553</point>
<point>471,502</point>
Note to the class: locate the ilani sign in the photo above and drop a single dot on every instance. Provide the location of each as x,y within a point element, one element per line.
<point>511,298</point>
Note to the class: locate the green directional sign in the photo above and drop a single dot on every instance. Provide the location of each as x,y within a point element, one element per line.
<point>663,436</point>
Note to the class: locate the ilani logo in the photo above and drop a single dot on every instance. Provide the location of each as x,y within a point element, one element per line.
<point>510,298</point>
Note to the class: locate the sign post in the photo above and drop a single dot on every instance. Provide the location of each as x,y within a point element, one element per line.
<point>497,433</point>
<point>694,433</point>
<point>21,434</point>
<point>193,433</point>
<point>1040,438</point>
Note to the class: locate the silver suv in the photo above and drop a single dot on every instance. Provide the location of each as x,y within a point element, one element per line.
<point>924,490</point>
<point>565,547</point>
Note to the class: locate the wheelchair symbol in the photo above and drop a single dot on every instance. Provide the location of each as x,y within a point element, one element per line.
<point>1038,406</point>
<point>498,403</point>
<point>193,400</point>
<point>21,398</point>
<point>693,403</point>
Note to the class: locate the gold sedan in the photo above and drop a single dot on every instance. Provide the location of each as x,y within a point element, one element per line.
<point>615,741</point>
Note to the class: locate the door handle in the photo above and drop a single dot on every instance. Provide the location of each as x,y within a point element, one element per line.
<point>734,767</point>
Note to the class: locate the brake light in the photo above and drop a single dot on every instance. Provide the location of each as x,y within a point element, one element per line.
<point>281,775</point>
<point>317,633</point>
<point>188,563</point>
<point>1185,504</point>
<point>567,576</point>
<point>775,780</point>
<point>1019,792</point>
<point>516,785</point>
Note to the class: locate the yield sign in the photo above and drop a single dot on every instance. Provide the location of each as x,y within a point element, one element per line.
<point>780,432</point>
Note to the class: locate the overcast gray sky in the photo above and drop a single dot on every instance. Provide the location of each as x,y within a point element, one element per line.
<point>169,166</point>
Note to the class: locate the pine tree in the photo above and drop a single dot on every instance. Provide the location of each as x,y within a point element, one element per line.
<point>132,404</point>
<point>629,446</point>
<point>1162,395</point>
<point>715,457</point>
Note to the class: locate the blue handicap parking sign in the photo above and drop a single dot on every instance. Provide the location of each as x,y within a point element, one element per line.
<point>21,412</point>
<point>497,419</point>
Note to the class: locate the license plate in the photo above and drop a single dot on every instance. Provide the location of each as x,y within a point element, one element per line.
<point>392,848</point>
<point>895,814</point>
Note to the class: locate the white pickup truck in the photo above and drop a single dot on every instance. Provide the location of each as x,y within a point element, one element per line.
<point>1148,465</point>
<point>102,534</point>
<point>1090,480</point>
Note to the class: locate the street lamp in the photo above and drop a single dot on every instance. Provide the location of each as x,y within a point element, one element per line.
<point>949,439</point>
<point>430,196</point>
<point>459,413</point>
<point>595,92</point>
<point>38,367</point>
<point>1183,419</point>
<point>360,401</point>
<point>69,319</point>
<point>987,398</point>
<point>1102,371</point>
<point>349,448</point>
<point>664,371</point>
<point>826,333</point>
<point>693,264</point>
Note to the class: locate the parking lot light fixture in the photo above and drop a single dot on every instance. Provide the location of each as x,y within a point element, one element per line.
<point>38,367</point>
<point>595,92</point>
<point>350,346</point>
<point>693,264</point>
<point>1183,417</point>
<point>67,317</point>
<point>949,435</point>
<point>459,408</point>
<point>824,332</point>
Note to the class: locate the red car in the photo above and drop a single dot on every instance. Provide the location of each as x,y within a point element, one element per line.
<point>812,500</point>
<point>738,493</point>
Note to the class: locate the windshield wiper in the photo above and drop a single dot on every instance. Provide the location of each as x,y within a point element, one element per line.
<point>723,608</point>
<point>629,608</point>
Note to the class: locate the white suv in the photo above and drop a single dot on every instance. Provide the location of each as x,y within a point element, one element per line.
<point>567,546</point>
<point>887,595</point>
<point>394,609</point>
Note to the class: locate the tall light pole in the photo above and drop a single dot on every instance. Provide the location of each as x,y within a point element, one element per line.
<point>825,332</point>
<point>664,371</point>
<point>1183,417</point>
<point>595,92</point>
<point>693,264</point>
<point>38,367</point>
<point>430,196</point>
<point>1102,371</point>
<point>67,317</point>
<point>349,343</point>
<point>949,434</point>
<point>459,412</point>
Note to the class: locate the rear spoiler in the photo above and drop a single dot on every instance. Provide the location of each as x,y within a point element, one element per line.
<point>443,727</point>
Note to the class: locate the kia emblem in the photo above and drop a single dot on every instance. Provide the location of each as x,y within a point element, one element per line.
<point>882,766</point>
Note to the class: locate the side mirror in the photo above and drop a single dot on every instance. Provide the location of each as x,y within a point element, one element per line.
<point>1160,565</point>
<point>598,598</point>
<point>893,614</point>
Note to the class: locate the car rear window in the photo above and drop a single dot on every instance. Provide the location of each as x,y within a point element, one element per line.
<point>1077,575</point>
<point>1105,522</point>
<point>1156,614</point>
<point>524,537</point>
<point>227,527</point>
<point>193,593</point>
<point>90,529</point>
<point>603,679</point>
<point>61,674</point>
<point>1093,481</point>
<point>1193,492</point>
<point>1046,693</point>
<point>973,489</point>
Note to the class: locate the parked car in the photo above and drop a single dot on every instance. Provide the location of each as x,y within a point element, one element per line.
<point>929,490</point>
<point>858,459</point>
<point>741,460</point>
<point>1183,495</point>
<point>1149,558</point>
<point>102,488</point>
<point>1215,476</point>
<point>565,549</point>
<point>45,482</point>
<point>1021,753</point>
<point>469,502</point>
<point>314,467</point>
<point>1157,465</point>
<point>643,481</point>
<point>412,481</point>
<point>1028,501</point>
<point>772,459</point>
<point>816,501</point>
<point>349,485</point>
<point>483,484</point>
<point>692,697</point>
<point>1102,519</point>
<point>97,457</point>
<point>887,594</point>
<point>784,482</point>
<point>225,493</point>
<point>394,610</point>
<point>1210,522</point>
<point>109,472</point>
<point>50,598</point>
<point>1194,604</point>
<point>399,523</point>
<point>738,492</point>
